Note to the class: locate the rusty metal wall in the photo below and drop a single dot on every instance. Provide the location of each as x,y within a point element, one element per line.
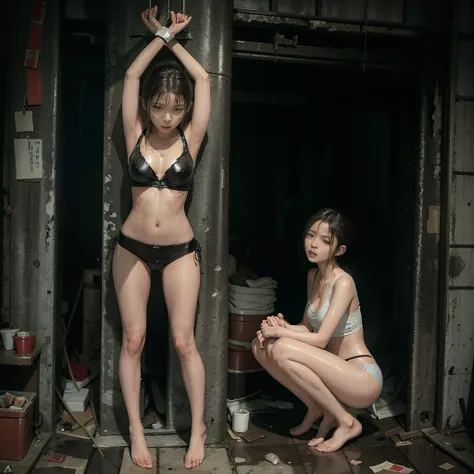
<point>457,331</point>
<point>29,279</point>
<point>417,14</point>
<point>211,31</point>
<point>422,377</point>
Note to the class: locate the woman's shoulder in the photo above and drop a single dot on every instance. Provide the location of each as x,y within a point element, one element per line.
<point>345,281</point>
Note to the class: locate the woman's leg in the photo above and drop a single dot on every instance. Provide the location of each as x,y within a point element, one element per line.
<point>265,359</point>
<point>329,380</point>
<point>132,285</point>
<point>181,280</point>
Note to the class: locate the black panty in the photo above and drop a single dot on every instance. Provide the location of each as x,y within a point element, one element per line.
<point>158,256</point>
<point>359,356</point>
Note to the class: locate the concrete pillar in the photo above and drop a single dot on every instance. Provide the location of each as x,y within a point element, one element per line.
<point>211,29</point>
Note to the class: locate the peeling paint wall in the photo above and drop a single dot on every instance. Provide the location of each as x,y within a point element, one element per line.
<point>457,390</point>
<point>29,279</point>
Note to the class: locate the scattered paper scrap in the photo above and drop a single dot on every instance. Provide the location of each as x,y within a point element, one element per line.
<point>390,466</point>
<point>446,466</point>
<point>57,458</point>
<point>380,467</point>
<point>397,468</point>
<point>354,462</point>
<point>239,460</point>
<point>399,444</point>
<point>272,458</point>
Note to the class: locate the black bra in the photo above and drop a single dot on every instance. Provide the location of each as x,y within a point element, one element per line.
<point>177,177</point>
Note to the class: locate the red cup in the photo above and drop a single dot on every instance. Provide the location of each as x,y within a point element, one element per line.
<point>25,342</point>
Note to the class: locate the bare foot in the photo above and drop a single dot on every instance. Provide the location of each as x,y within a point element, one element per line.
<point>139,451</point>
<point>345,431</point>
<point>326,425</point>
<point>195,455</point>
<point>308,421</point>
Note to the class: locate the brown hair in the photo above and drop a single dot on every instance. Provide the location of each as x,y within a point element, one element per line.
<point>339,226</point>
<point>169,78</point>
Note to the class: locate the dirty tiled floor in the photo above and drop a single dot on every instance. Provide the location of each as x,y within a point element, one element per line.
<point>242,457</point>
<point>370,449</point>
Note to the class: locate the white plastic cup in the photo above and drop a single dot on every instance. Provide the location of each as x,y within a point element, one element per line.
<point>7,338</point>
<point>240,421</point>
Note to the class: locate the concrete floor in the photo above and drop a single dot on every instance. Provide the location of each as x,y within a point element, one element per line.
<point>372,448</point>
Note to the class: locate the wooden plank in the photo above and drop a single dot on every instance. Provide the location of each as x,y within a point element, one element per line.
<point>12,358</point>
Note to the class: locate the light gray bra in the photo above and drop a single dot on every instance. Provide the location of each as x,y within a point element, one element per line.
<point>350,322</point>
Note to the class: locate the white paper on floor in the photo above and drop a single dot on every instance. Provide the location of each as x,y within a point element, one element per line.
<point>382,409</point>
<point>390,466</point>
<point>446,466</point>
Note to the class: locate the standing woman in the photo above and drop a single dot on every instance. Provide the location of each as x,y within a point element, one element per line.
<point>156,235</point>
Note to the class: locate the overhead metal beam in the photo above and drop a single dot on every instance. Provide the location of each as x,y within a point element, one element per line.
<point>324,25</point>
<point>310,54</point>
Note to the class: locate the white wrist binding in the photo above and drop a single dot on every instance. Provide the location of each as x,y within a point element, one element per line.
<point>164,34</point>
